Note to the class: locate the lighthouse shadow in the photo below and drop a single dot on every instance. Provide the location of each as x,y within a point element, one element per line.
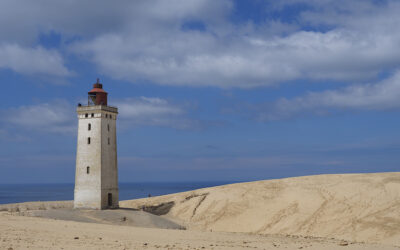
<point>120,216</point>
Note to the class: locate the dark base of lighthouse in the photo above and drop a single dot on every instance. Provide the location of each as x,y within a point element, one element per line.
<point>109,198</point>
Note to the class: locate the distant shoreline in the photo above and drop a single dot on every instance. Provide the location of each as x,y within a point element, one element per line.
<point>17,193</point>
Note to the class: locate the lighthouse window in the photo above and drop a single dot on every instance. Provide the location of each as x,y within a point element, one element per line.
<point>89,126</point>
<point>87,170</point>
<point>92,115</point>
<point>86,115</point>
<point>88,140</point>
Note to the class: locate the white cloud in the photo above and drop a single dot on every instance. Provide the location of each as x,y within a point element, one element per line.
<point>383,95</point>
<point>152,111</point>
<point>32,60</point>
<point>147,106</point>
<point>85,19</point>
<point>55,117</point>
<point>59,116</point>
<point>204,60</point>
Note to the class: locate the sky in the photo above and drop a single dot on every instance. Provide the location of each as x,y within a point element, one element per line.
<point>207,90</point>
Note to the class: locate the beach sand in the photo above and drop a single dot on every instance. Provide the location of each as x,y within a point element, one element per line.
<point>360,211</point>
<point>21,232</point>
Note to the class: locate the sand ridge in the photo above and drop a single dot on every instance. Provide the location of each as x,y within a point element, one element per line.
<point>356,207</point>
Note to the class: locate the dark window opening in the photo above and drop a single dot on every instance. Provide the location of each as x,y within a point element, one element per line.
<point>88,140</point>
<point>110,116</point>
<point>86,115</point>
<point>89,126</point>
<point>92,115</point>
<point>108,127</point>
<point>106,115</point>
<point>87,170</point>
<point>108,140</point>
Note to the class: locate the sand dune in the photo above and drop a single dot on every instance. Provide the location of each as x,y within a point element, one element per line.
<point>356,207</point>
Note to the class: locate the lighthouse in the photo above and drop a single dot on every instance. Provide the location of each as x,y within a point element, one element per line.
<point>96,176</point>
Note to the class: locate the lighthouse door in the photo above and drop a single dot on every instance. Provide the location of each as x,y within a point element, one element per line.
<point>109,199</point>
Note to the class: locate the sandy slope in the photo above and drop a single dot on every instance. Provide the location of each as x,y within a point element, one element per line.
<point>358,207</point>
<point>63,210</point>
<point>21,232</point>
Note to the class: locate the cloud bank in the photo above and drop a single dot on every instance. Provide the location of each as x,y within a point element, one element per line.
<point>383,95</point>
<point>153,111</point>
<point>196,43</point>
<point>247,55</point>
<point>56,117</point>
<point>59,116</point>
<point>32,61</point>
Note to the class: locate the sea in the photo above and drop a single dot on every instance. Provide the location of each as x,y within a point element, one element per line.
<point>13,193</point>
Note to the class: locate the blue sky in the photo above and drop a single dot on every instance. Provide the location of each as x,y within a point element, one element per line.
<point>206,90</point>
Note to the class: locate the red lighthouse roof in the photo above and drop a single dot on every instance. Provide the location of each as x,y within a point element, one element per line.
<point>97,87</point>
<point>97,96</point>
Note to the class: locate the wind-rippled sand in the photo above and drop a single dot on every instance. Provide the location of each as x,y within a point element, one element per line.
<point>356,207</point>
<point>360,211</point>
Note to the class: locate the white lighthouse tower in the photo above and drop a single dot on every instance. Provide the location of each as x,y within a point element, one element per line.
<point>96,177</point>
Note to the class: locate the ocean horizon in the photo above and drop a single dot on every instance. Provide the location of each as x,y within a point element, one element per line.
<point>15,193</point>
